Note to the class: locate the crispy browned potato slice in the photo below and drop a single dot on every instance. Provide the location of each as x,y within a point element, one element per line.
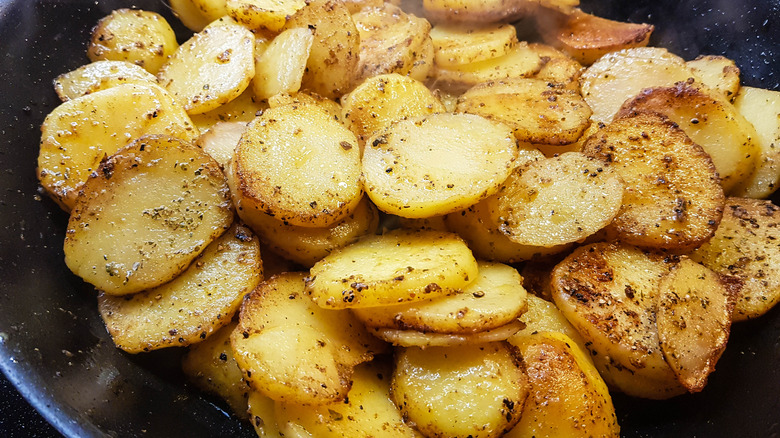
<point>99,75</point>
<point>610,294</point>
<point>566,392</point>
<point>711,122</point>
<point>416,338</point>
<point>673,199</point>
<point>396,267</point>
<point>455,45</point>
<point>437,164</point>
<point>536,110</point>
<point>280,68</point>
<point>762,109</point>
<point>134,227</point>
<point>243,108</point>
<point>558,200</point>
<point>473,390</point>
<point>142,37</point>
<point>745,247</point>
<point>292,350</point>
<point>481,12</point>
<point>718,73</point>
<point>193,305</point>
<point>268,14</point>
<point>299,165</point>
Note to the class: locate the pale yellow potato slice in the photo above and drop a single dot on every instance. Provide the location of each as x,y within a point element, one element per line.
<point>673,199</point>
<point>99,75</point>
<point>718,73</point>
<point>567,396</point>
<point>189,15</point>
<point>220,141</point>
<point>744,248</point>
<point>711,122</point>
<point>543,316</point>
<point>694,321</point>
<point>134,227</point>
<point>610,294</point>
<point>79,133</point>
<point>268,14</point>
<point>369,411</point>
<point>331,107</point>
<point>382,100</point>
<point>280,68</point>
<point>212,68</point>
<point>292,350</point>
<point>455,45</point>
<point>761,108</point>
<point>559,68</point>
<point>396,267</point>
<point>621,75</point>
<point>262,415</point>
<point>210,365</point>
<point>356,6</point>
<point>495,298</point>
<point>211,9</point>
<point>473,390</point>
<point>558,200</point>
<point>243,108</point>
<point>429,223</point>
<point>416,338</point>
<point>437,164</point>
<point>536,110</point>
<point>482,12</point>
<point>142,37</point>
<point>298,164</point>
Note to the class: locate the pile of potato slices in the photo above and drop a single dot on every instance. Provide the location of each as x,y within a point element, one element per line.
<point>396,219</point>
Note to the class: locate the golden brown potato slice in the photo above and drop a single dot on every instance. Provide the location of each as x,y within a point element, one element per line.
<point>610,294</point>
<point>243,108</point>
<point>134,227</point>
<point>79,133</point>
<point>141,37</point>
<point>744,247</point>
<point>712,123</point>
<point>416,338</point>
<point>331,107</point>
<point>97,76</point>
<point>559,68</point>
<point>437,164</point>
<point>761,108</point>
<point>212,68</point>
<point>621,75</point>
<point>193,305</point>
<point>567,396</point>
<point>673,199</point>
<point>189,15</point>
<point>392,41</point>
<point>543,316</point>
<point>536,110</point>
<point>455,45</point>
<point>268,14</point>
<point>299,165</point>
<point>332,65</point>
<point>482,12</point>
<point>694,320</point>
<point>292,350</point>
<point>558,200</point>
<point>220,141</point>
<point>396,267</point>
<point>718,73</point>
<point>262,414</point>
<point>473,390</point>
<point>280,68</point>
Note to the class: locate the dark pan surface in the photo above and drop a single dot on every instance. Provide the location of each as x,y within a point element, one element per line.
<point>55,350</point>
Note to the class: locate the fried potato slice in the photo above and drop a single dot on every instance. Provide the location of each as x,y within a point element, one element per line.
<point>437,164</point>
<point>262,415</point>
<point>566,392</point>
<point>709,121</point>
<point>718,73</point>
<point>761,108</point>
<point>536,110</point>
<point>473,390</point>
<point>243,108</point>
<point>456,45</point>
<point>543,317</point>
<point>368,411</point>
<point>396,267</point>
<point>192,306</point>
<point>482,12</point>
<point>610,294</point>
<point>416,338</point>
<point>744,248</point>
<point>220,141</point>
<point>97,76</point>
<point>559,68</point>
<point>189,15</point>
<point>212,68</point>
<point>268,14</point>
<point>211,9</point>
<point>495,298</point>
<point>134,227</point>
<point>79,133</point>
<point>331,107</point>
<point>281,66</point>
<point>621,75</point>
<point>142,37</point>
<point>558,200</point>
<point>299,165</point>
<point>292,350</point>
<point>673,199</point>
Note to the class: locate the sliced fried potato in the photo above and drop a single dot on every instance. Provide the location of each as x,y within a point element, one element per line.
<point>473,390</point>
<point>134,227</point>
<point>262,415</point>
<point>543,316</point>
<point>189,15</point>
<point>558,200</point>
<point>482,12</point>
<point>437,164</point>
<point>329,106</point>
<point>536,110</point>
<point>80,133</point>
<point>429,223</point>
<point>268,14</point>
<point>416,338</point>
<point>212,68</point>
<point>718,73</point>
<point>745,247</point>
<point>673,199</point>
<point>99,75</point>
<point>280,68</point>
<point>559,68</point>
<point>299,165</point>
<point>455,45</point>
<point>211,9</point>
<point>396,267</point>
<point>220,141</point>
<point>243,108</point>
<point>761,108</point>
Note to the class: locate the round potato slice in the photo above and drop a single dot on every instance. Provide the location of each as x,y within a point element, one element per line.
<point>519,62</point>
<point>416,338</point>
<point>437,164</point>
<point>456,44</point>
<point>99,75</point>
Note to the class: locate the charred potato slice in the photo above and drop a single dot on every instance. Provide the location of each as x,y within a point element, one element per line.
<point>280,68</point>
<point>718,73</point>
<point>455,45</point>
<point>761,108</point>
<point>97,76</point>
<point>268,14</point>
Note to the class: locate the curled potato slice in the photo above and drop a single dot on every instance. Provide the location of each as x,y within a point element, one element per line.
<point>97,76</point>
<point>455,45</point>
<point>396,267</point>
<point>134,227</point>
<point>416,338</point>
<point>436,164</point>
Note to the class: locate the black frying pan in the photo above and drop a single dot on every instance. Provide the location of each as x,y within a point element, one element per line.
<point>55,350</point>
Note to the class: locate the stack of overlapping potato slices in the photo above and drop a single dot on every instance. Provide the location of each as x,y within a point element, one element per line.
<point>409,173</point>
